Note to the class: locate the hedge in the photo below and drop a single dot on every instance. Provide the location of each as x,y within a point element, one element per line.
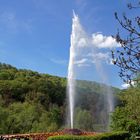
<point>105,136</point>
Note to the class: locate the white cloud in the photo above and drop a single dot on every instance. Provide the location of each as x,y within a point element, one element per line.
<point>101,56</point>
<point>127,85</point>
<point>83,65</point>
<point>92,58</point>
<point>82,62</point>
<point>101,41</point>
<point>98,40</point>
<point>88,53</point>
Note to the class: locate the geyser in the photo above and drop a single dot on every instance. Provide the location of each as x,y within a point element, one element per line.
<point>84,52</point>
<point>76,42</point>
<point>71,73</point>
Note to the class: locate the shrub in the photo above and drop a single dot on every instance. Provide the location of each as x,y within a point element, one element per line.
<point>105,136</point>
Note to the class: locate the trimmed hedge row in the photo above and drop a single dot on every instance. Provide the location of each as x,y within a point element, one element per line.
<point>105,136</point>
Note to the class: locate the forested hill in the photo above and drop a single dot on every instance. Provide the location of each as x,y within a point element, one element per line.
<point>34,102</point>
<point>16,85</point>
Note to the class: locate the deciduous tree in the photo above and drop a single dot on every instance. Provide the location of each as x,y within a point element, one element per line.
<point>127,58</point>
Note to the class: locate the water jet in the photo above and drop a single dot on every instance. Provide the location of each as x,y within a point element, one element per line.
<point>80,41</point>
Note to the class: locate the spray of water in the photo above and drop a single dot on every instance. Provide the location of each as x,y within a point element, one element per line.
<point>109,93</point>
<point>107,89</point>
<point>83,53</point>
<point>71,74</point>
<point>76,42</point>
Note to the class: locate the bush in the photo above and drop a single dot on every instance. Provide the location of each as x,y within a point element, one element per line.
<point>105,136</point>
<point>126,115</point>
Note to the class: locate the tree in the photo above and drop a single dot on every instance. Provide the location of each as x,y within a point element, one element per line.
<point>49,120</point>
<point>127,115</point>
<point>83,120</point>
<point>3,118</point>
<point>127,58</point>
<point>21,117</point>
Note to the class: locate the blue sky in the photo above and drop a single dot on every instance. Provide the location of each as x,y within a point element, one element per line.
<point>35,34</point>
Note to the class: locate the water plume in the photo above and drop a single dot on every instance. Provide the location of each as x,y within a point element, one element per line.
<point>84,52</point>
<point>77,41</point>
<point>71,74</point>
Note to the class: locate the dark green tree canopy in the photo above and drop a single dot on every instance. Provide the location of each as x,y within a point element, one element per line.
<point>34,102</point>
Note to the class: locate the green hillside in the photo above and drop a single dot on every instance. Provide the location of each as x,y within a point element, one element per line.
<point>34,102</point>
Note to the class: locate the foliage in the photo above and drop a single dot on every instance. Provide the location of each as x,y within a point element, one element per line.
<point>83,120</point>
<point>127,115</point>
<point>19,113</point>
<point>29,101</point>
<point>34,102</point>
<point>105,136</point>
<point>92,98</point>
<point>3,119</point>
<point>127,58</point>
<point>48,122</point>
